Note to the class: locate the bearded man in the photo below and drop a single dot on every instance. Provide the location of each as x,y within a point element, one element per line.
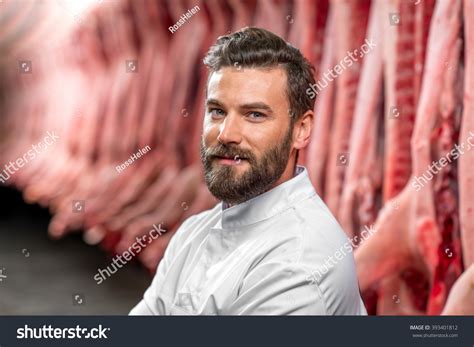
<point>271,246</point>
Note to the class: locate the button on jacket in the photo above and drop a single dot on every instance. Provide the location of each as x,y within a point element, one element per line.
<point>259,257</point>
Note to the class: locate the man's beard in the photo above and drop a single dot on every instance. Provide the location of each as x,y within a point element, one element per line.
<point>224,182</point>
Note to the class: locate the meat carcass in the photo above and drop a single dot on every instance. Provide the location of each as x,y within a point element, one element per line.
<point>407,231</point>
<point>310,39</point>
<point>365,120</point>
<point>466,161</point>
<point>349,38</point>
<point>320,137</point>
<point>403,69</point>
<point>461,298</point>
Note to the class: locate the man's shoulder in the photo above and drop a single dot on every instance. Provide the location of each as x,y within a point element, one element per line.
<point>327,255</point>
<point>193,223</point>
<point>318,225</point>
<point>205,216</point>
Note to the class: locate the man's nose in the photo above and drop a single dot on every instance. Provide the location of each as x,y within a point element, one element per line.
<point>229,130</point>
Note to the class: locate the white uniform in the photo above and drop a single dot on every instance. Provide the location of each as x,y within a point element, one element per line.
<point>261,257</point>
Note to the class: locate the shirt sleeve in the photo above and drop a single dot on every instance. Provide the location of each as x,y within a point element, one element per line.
<point>152,304</point>
<point>278,289</point>
<point>141,309</point>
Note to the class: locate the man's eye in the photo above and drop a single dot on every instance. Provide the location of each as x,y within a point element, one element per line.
<point>216,112</point>
<point>257,115</point>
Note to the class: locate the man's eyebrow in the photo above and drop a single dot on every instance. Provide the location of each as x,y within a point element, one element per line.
<point>249,106</point>
<point>214,102</point>
<point>256,105</point>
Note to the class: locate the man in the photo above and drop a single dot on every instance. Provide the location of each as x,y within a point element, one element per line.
<point>262,250</point>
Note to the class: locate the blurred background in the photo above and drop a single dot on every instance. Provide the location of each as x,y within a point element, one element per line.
<point>102,103</point>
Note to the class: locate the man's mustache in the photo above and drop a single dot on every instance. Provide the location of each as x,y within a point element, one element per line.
<point>227,151</point>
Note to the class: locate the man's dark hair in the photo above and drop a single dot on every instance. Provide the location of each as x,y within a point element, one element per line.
<point>260,48</point>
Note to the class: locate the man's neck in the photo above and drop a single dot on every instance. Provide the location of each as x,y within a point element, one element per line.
<point>287,175</point>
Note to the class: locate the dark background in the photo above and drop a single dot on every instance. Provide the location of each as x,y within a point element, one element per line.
<point>44,275</point>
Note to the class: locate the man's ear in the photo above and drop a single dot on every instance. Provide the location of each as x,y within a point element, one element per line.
<point>302,130</point>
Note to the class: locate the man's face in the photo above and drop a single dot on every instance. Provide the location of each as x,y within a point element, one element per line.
<point>247,138</point>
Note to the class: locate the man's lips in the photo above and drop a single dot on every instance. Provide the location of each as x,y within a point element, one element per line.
<point>225,160</point>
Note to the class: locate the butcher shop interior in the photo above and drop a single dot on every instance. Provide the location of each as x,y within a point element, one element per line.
<point>102,104</point>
